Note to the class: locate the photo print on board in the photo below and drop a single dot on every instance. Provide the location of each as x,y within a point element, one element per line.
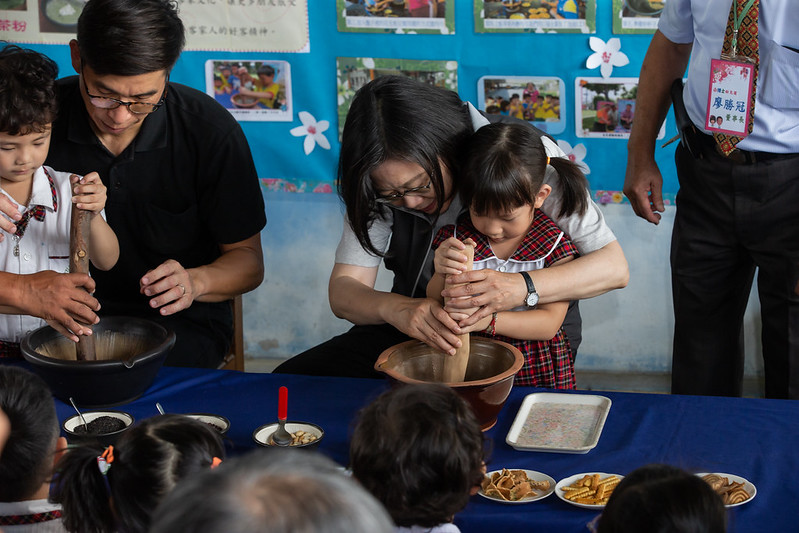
<point>396,16</point>
<point>539,16</point>
<point>252,90</point>
<point>636,16</point>
<point>535,99</point>
<point>605,107</point>
<point>355,72</point>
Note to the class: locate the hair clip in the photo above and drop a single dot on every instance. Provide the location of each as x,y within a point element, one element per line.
<point>105,460</point>
<point>216,461</point>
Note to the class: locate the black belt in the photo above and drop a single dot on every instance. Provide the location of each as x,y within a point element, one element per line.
<point>737,156</point>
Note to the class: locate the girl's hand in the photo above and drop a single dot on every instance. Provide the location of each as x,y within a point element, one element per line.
<point>449,257</point>
<point>479,326</point>
<point>88,192</point>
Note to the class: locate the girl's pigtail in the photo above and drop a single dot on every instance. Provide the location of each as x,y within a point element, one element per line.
<point>83,491</point>
<point>573,186</point>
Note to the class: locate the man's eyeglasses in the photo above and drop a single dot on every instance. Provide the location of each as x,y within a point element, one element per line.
<point>137,108</point>
<point>416,191</point>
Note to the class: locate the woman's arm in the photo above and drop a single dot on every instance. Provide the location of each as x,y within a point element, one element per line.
<point>587,276</point>
<point>353,297</point>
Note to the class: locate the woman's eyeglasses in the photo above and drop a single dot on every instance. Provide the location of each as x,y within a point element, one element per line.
<point>416,191</point>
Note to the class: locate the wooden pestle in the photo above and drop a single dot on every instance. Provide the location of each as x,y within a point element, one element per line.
<point>454,370</point>
<point>79,237</point>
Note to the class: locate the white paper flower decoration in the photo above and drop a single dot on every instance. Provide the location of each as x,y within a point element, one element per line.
<point>606,55</point>
<point>313,132</point>
<point>575,155</point>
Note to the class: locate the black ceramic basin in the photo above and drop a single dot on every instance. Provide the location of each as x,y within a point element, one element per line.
<point>130,351</point>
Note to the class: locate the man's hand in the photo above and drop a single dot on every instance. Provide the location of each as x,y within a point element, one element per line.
<point>8,208</point>
<point>170,287</point>
<point>63,300</point>
<point>643,186</point>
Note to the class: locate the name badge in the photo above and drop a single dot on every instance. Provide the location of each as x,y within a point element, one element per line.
<point>729,97</point>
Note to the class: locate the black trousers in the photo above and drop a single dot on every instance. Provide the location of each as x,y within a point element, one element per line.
<point>731,221</point>
<point>353,353</point>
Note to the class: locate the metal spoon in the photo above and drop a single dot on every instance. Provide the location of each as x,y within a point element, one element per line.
<point>79,413</point>
<point>281,437</point>
<point>160,409</point>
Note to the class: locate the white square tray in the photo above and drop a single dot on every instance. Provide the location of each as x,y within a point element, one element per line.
<point>558,422</point>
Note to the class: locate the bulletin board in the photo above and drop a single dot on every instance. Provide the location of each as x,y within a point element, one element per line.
<point>582,57</point>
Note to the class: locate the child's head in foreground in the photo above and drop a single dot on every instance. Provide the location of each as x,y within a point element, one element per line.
<point>660,498</point>
<point>26,462</point>
<point>272,491</point>
<point>145,465</point>
<point>419,450</point>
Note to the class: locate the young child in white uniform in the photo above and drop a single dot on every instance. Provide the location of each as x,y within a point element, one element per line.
<point>45,198</point>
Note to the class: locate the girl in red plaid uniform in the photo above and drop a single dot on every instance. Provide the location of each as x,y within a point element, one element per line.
<point>503,184</point>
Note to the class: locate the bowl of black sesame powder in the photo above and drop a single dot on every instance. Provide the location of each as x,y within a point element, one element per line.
<point>102,426</point>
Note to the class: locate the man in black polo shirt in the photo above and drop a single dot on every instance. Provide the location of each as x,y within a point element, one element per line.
<point>183,194</point>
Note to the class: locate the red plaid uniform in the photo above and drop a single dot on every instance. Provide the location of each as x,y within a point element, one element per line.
<point>546,363</point>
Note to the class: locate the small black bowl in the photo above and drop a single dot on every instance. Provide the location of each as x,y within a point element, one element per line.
<point>218,422</point>
<point>106,439</point>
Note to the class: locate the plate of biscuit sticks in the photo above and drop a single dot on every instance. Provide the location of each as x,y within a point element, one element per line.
<point>734,490</point>
<point>588,490</point>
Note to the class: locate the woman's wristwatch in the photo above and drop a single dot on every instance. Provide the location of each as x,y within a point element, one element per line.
<point>531,300</point>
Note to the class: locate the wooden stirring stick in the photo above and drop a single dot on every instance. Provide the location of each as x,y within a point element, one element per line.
<point>454,370</point>
<point>79,232</point>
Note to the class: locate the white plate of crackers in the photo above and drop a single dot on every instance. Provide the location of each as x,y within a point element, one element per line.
<point>734,490</point>
<point>588,490</point>
<point>516,486</point>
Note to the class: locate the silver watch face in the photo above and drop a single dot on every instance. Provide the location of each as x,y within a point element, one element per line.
<point>532,299</point>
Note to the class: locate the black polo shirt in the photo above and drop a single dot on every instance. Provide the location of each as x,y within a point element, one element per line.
<point>186,184</point>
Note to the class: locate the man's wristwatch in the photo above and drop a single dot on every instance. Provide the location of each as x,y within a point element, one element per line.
<point>531,300</point>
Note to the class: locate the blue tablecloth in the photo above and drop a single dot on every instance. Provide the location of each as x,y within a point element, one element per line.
<point>753,438</point>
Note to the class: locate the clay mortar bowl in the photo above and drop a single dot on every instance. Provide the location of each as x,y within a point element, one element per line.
<point>489,376</point>
<point>130,351</point>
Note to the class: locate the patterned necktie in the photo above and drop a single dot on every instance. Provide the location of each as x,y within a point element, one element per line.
<point>33,518</point>
<point>36,212</point>
<point>747,46</point>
